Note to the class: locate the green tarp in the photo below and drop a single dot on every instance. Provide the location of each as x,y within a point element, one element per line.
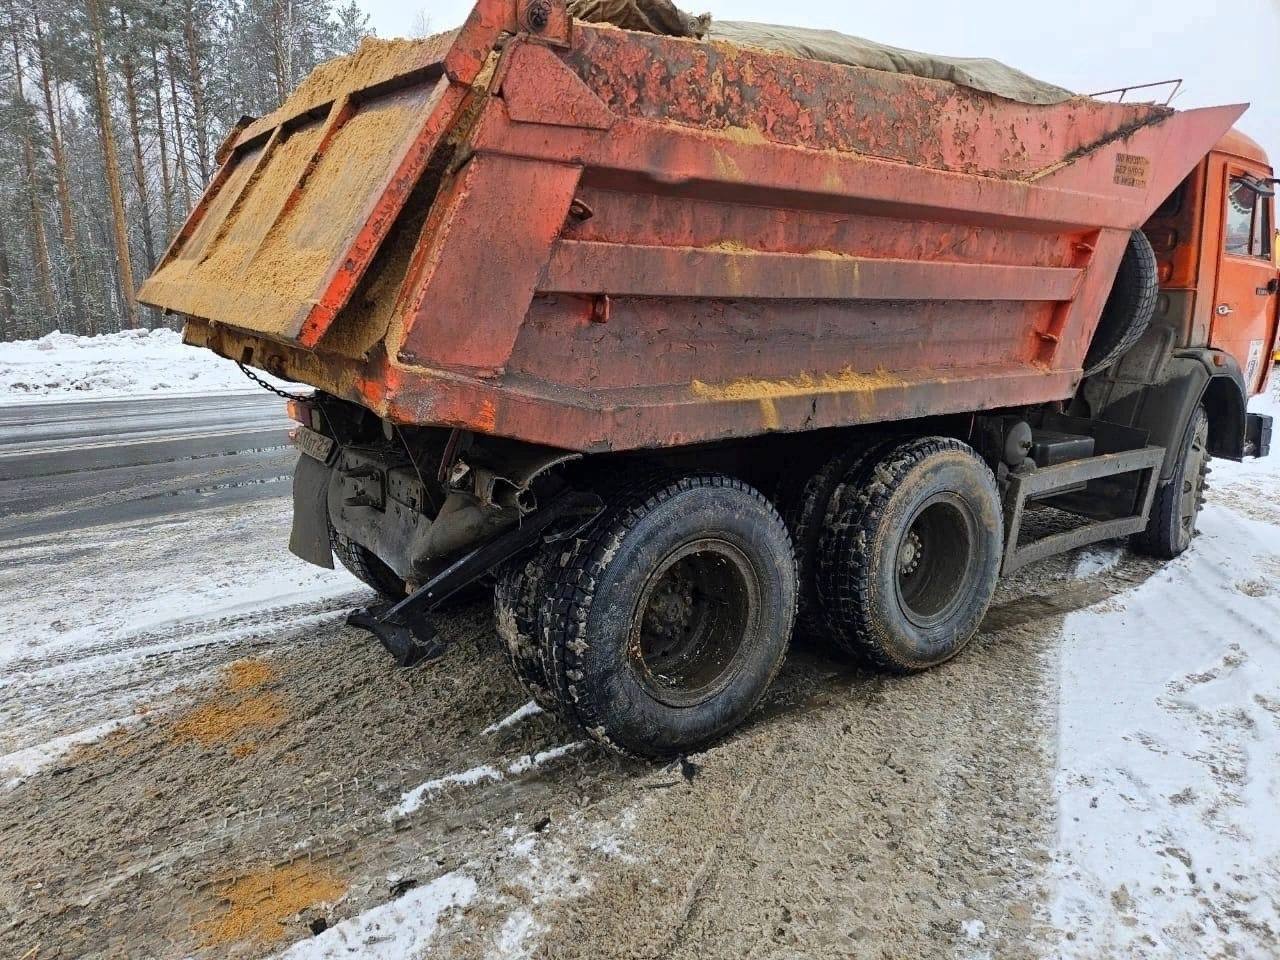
<point>977,73</point>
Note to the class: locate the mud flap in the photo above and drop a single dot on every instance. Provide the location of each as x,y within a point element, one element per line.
<point>309,538</point>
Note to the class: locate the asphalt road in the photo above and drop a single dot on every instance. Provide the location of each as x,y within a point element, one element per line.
<point>82,464</point>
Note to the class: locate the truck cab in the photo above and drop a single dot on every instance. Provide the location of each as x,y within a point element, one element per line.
<point>1214,327</point>
<point>1240,230</point>
<point>1216,234</point>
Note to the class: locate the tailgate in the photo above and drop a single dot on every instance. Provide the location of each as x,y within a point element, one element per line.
<point>304,197</point>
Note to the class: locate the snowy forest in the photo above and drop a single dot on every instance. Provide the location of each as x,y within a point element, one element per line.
<point>111,112</point>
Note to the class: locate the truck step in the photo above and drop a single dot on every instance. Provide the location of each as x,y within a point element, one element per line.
<point>1126,485</point>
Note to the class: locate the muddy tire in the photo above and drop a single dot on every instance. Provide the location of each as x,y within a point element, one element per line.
<point>910,559</point>
<point>1129,307</point>
<point>366,567</point>
<point>805,502</point>
<point>671,615</point>
<point>1172,523</point>
<point>520,592</point>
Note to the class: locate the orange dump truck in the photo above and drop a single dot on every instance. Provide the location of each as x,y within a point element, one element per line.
<point>681,343</point>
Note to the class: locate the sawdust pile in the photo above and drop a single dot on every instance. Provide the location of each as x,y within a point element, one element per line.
<point>257,905</point>
<point>374,60</point>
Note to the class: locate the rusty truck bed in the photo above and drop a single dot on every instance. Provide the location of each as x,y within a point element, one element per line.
<point>598,239</point>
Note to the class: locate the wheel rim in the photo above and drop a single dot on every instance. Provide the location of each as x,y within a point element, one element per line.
<point>697,612</point>
<point>1193,483</point>
<point>935,560</point>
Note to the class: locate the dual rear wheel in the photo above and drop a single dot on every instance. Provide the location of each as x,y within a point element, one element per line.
<point>660,628</point>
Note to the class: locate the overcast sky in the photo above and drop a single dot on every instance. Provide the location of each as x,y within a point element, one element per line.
<point>1225,53</point>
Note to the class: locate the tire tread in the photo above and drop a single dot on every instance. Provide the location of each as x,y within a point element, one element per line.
<point>846,569</point>
<point>581,566</point>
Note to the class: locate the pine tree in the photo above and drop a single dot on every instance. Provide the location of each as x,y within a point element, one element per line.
<point>110,162</point>
<point>109,114</point>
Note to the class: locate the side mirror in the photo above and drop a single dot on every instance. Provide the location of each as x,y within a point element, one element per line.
<point>1263,188</point>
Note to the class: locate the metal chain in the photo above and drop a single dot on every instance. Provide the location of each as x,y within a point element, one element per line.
<point>263,384</point>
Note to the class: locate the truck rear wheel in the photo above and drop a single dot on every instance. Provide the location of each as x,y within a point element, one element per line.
<point>909,561</point>
<point>1172,523</point>
<point>520,592</point>
<point>672,615</point>
<point>806,500</point>
<point>366,567</point>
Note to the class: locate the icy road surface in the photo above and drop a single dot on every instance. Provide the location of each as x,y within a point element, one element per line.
<point>197,757</point>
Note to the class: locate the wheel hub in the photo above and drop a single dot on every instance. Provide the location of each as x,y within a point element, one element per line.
<point>910,554</point>
<point>670,608</point>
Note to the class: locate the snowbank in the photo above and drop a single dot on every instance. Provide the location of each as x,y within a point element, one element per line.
<point>1169,744</point>
<point>131,363</point>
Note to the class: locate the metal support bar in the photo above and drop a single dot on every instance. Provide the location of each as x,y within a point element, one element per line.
<point>406,630</point>
<point>1047,480</point>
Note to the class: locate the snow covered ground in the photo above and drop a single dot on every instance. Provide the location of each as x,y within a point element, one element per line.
<point>1167,773</point>
<point>131,363</point>
<point>1169,744</point>
<point>76,663</point>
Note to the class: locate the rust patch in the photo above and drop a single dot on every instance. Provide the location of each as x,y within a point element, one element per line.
<point>259,904</point>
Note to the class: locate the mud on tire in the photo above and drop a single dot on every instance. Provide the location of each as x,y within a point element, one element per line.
<point>805,502</point>
<point>672,615</point>
<point>519,594</point>
<point>909,560</point>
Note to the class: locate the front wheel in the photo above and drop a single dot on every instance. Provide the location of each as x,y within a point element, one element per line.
<point>672,616</point>
<point>1172,522</point>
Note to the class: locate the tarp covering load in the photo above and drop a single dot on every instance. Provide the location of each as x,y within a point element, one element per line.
<point>977,73</point>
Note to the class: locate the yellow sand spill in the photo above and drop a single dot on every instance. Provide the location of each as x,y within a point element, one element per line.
<point>375,59</point>
<point>257,905</point>
<point>846,381</point>
<point>729,246</point>
<point>224,721</point>
<point>250,673</point>
<point>240,707</point>
<point>740,134</point>
<point>737,246</point>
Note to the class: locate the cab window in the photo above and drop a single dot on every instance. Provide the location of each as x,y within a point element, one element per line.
<point>1248,223</point>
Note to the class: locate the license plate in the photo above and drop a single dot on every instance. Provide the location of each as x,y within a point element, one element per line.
<point>313,444</point>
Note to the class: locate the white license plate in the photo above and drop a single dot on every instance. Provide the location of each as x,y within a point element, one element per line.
<point>313,444</point>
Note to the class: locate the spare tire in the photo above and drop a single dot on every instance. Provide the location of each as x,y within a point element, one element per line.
<point>1129,307</point>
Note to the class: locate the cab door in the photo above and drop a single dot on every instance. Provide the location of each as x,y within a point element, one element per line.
<point>1245,295</point>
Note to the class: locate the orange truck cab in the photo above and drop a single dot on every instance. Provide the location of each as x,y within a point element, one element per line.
<point>1214,328</point>
<point>1238,240</point>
